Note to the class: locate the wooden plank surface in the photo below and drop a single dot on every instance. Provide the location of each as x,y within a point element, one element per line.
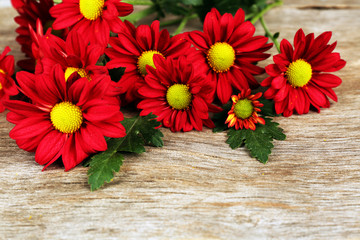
<point>196,187</point>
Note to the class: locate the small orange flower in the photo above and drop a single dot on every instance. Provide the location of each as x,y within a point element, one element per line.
<point>243,112</point>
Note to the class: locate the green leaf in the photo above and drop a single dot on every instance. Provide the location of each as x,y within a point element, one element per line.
<point>140,131</point>
<point>271,128</point>
<point>259,145</point>
<point>220,118</point>
<point>192,2</point>
<point>176,7</point>
<point>268,109</point>
<point>116,73</point>
<point>102,168</point>
<point>259,142</point>
<point>236,137</point>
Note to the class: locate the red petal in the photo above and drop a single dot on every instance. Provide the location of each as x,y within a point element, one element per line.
<point>267,82</point>
<point>280,106</point>
<point>100,32</point>
<point>151,103</point>
<point>326,80</point>
<point>287,49</point>
<point>198,39</point>
<point>270,93</point>
<point>260,120</point>
<point>123,8</point>
<point>330,93</point>
<point>187,126</point>
<point>299,37</point>
<point>281,62</point>
<point>195,120</point>
<point>164,40</point>
<point>272,70</point>
<point>143,37</point>
<point>241,33</point>
<point>223,89</point>
<point>30,127</point>
<point>287,113</point>
<point>252,44</point>
<point>239,16</point>
<point>212,26</point>
<point>111,129</point>
<point>299,101</point>
<point>149,92</point>
<point>278,82</point>
<point>155,27</point>
<point>291,99</point>
<point>238,79</point>
<point>50,148</point>
<point>73,154</point>
<point>23,108</point>
<point>208,123</point>
<point>282,93</point>
<point>226,26</point>
<point>316,96</point>
<point>91,139</point>
<point>180,120</point>
<point>79,92</point>
<point>130,45</point>
<point>200,107</point>
<point>66,20</point>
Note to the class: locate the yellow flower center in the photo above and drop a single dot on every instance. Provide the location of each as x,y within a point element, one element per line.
<point>221,57</point>
<point>299,73</point>
<point>2,72</point>
<point>178,96</point>
<point>244,108</point>
<point>146,58</point>
<point>80,71</point>
<point>91,9</point>
<point>66,117</point>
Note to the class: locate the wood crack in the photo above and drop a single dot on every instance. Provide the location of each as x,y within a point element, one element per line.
<point>329,7</point>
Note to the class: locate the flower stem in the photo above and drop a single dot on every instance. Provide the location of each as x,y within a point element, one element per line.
<point>269,34</point>
<point>138,2</point>
<point>249,16</point>
<point>183,22</point>
<point>265,10</point>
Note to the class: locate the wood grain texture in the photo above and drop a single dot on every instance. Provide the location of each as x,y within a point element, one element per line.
<point>196,187</point>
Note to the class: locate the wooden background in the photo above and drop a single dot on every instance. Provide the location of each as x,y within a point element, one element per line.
<point>196,187</point>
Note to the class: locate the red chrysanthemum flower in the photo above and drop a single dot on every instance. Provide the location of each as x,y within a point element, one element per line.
<point>64,118</point>
<point>229,52</point>
<point>296,79</point>
<point>40,44</point>
<point>134,49</point>
<point>177,94</point>
<point>243,113</point>
<point>93,19</point>
<point>75,56</point>
<point>30,11</point>
<point>7,84</point>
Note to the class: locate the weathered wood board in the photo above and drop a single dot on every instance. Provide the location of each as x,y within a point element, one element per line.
<point>196,187</point>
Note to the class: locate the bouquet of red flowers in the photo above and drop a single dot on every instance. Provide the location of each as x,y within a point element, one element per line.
<point>84,62</point>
